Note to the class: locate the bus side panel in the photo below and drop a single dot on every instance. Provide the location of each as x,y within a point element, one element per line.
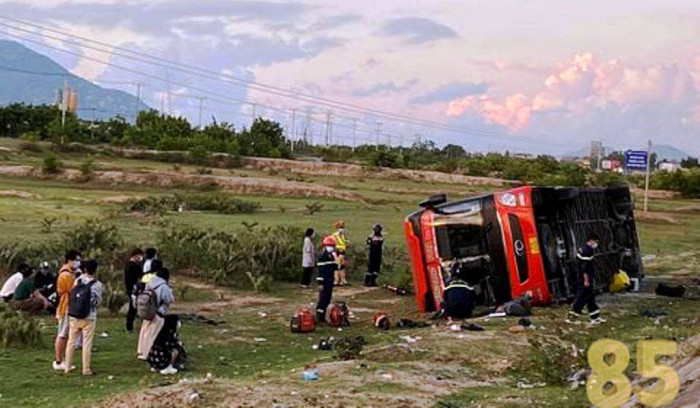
<point>433,266</point>
<point>420,278</point>
<point>523,253</point>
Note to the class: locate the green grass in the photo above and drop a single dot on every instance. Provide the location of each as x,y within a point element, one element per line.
<point>229,352</point>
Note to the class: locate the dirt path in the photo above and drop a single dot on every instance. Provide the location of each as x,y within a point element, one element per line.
<point>241,185</point>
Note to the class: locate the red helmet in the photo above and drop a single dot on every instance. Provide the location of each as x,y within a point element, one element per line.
<point>329,241</point>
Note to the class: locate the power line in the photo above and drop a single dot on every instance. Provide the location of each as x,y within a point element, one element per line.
<point>276,90</point>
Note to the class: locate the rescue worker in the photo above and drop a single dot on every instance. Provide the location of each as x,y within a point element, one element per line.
<point>585,291</point>
<point>375,242</point>
<point>457,300</point>
<point>327,266</point>
<point>341,246</point>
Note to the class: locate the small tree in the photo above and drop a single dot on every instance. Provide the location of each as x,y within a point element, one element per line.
<point>51,164</point>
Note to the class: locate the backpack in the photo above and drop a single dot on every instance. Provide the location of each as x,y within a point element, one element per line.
<point>339,315</point>
<point>303,321</point>
<point>80,300</point>
<point>147,304</point>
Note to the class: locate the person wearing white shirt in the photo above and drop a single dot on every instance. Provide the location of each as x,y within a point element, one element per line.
<point>308,259</point>
<point>11,284</point>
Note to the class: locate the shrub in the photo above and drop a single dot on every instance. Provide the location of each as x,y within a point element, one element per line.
<point>51,164</point>
<point>18,329</point>
<point>245,259</point>
<point>87,167</point>
<point>96,238</point>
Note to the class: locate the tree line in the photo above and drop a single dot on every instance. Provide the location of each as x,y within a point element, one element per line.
<point>265,138</point>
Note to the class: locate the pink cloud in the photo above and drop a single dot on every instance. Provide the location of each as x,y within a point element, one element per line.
<point>584,82</point>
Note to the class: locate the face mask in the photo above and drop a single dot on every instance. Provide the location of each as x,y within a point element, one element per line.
<point>342,230</point>
<point>594,245</point>
<point>76,264</point>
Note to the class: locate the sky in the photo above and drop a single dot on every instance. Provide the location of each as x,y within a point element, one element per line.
<point>537,76</point>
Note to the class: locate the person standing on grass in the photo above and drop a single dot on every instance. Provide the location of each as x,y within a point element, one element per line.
<point>375,242</point>
<point>327,266</point>
<point>585,291</point>
<point>150,328</point>
<point>151,255</point>
<point>82,319</point>
<point>341,246</point>
<point>64,284</point>
<point>308,259</point>
<point>133,271</point>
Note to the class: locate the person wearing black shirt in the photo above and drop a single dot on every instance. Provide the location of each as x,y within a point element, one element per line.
<point>375,242</point>
<point>585,291</point>
<point>133,271</point>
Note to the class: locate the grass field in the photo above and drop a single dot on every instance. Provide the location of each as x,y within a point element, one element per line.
<point>443,368</point>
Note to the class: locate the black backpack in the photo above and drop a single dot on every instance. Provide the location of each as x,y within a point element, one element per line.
<point>80,300</point>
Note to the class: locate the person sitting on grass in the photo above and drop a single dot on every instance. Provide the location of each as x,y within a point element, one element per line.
<point>80,323</point>
<point>27,297</point>
<point>168,354</point>
<point>10,285</point>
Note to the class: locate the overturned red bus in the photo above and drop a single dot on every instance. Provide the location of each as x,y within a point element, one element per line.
<point>519,241</point>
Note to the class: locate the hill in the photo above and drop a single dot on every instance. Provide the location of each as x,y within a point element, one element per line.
<point>30,77</point>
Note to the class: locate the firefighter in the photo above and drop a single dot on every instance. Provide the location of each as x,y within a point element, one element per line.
<point>327,266</point>
<point>341,246</point>
<point>457,300</point>
<point>585,291</point>
<point>375,242</point>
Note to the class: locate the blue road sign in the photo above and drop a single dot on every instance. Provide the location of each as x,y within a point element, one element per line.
<point>636,160</point>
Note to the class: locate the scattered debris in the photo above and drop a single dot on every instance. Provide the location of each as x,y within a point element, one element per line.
<point>652,313</point>
<point>409,339</point>
<point>260,340</point>
<point>262,314</point>
<point>472,327</point>
<point>410,324</point>
<point>398,290</point>
<point>348,348</point>
<point>649,258</point>
<point>525,322</point>
<point>310,375</point>
<point>104,335</point>
<point>190,317</point>
<point>516,329</point>
<point>670,291</point>
<point>495,314</point>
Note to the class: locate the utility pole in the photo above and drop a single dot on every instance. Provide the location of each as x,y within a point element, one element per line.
<point>138,101</point>
<point>378,132</point>
<point>328,126</point>
<point>201,106</point>
<point>354,134</point>
<point>294,127</point>
<point>646,180</point>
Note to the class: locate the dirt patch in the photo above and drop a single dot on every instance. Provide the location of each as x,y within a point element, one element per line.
<point>658,218</point>
<point>121,199</point>
<point>655,194</point>
<point>354,170</point>
<point>19,194</point>
<point>692,208</point>
<point>239,185</point>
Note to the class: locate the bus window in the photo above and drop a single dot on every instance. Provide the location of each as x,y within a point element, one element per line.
<point>518,247</point>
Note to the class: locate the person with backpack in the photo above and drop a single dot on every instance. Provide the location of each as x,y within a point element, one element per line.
<point>133,271</point>
<point>64,284</point>
<point>375,242</point>
<point>327,266</point>
<point>152,306</point>
<point>308,258</point>
<point>85,297</point>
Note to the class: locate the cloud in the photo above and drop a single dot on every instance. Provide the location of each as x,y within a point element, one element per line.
<point>582,84</point>
<point>325,23</point>
<point>417,30</point>
<point>384,88</point>
<point>451,91</point>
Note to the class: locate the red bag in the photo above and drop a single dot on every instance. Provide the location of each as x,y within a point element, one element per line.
<point>339,314</point>
<point>303,321</point>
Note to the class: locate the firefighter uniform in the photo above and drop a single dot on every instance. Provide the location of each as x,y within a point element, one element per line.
<point>341,245</point>
<point>585,295</point>
<point>327,266</point>
<point>457,299</point>
<point>375,242</point>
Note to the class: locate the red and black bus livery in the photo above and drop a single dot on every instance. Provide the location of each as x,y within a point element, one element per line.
<point>520,241</point>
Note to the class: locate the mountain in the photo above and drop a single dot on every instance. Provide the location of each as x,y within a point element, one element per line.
<point>662,151</point>
<point>32,78</point>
